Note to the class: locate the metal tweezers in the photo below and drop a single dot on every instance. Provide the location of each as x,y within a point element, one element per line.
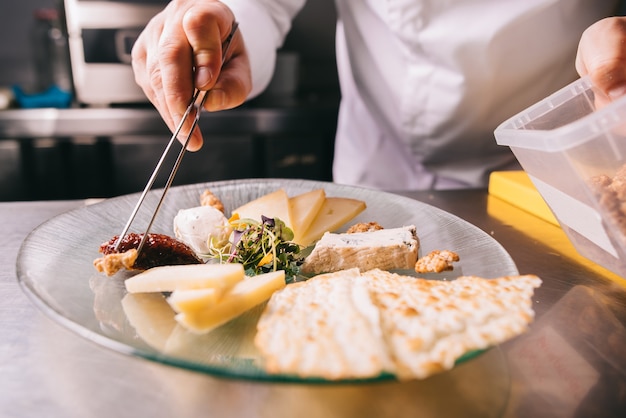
<point>197,103</point>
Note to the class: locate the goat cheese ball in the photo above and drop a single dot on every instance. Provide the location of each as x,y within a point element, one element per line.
<point>200,225</point>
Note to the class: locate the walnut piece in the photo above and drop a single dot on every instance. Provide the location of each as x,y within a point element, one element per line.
<point>364,227</point>
<point>110,264</point>
<point>611,195</point>
<point>436,261</point>
<point>207,198</point>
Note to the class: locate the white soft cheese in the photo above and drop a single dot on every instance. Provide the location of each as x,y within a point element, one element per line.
<point>385,249</point>
<point>196,226</point>
<point>379,238</point>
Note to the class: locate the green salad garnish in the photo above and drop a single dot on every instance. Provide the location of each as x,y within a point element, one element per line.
<point>261,247</point>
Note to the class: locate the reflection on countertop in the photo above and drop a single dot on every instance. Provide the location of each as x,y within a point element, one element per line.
<point>573,356</point>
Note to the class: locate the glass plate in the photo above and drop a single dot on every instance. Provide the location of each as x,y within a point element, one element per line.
<point>54,267</point>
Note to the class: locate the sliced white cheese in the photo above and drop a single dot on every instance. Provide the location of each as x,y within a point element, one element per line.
<point>335,212</point>
<point>304,209</point>
<point>245,295</point>
<point>193,276</point>
<point>193,299</point>
<point>271,205</point>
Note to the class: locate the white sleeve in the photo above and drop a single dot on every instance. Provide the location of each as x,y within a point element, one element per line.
<point>264,25</point>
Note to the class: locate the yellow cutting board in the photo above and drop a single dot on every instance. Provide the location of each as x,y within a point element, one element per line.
<point>516,188</point>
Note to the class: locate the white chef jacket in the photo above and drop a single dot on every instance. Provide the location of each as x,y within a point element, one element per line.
<point>424,83</point>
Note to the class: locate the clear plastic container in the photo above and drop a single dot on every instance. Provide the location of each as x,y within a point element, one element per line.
<point>572,144</point>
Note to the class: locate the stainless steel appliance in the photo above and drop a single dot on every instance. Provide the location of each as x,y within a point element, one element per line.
<point>101,34</point>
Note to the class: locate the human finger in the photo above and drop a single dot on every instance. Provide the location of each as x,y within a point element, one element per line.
<point>226,78</point>
<point>602,55</point>
<point>235,80</point>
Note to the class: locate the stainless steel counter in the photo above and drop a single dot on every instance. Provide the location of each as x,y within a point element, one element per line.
<point>274,116</point>
<point>84,152</point>
<point>570,364</point>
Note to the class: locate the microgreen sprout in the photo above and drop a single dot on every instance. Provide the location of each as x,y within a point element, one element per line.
<point>261,247</point>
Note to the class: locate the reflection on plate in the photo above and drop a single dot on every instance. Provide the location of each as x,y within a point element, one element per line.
<point>55,268</point>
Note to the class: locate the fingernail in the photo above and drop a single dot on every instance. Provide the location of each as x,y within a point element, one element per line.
<point>217,98</point>
<point>203,77</point>
<point>195,143</point>
<point>617,92</point>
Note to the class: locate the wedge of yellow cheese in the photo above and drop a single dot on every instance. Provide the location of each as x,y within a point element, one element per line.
<point>245,295</point>
<point>335,212</point>
<point>193,276</point>
<point>151,316</point>
<point>271,205</point>
<point>304,209</point>
<point>193,299</point>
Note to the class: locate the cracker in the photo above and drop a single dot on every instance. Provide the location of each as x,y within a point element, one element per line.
<point>350,324</point>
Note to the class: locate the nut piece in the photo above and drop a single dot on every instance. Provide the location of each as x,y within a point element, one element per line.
<point>110,264</point>
<point>207,198</point>
<point>436,261</point>
<point>364,227</point>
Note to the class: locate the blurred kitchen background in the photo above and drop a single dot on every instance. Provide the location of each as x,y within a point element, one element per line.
<point>71,125</point>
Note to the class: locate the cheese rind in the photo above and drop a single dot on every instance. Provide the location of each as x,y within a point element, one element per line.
<point>304,209</point>
<point>245,295</point>
<point>334,213</point>
<point>193,276</point>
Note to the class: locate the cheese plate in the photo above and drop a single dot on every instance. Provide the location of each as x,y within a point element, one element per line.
<point>55,270</point>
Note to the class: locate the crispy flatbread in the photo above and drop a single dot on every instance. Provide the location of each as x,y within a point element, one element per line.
<point>350,324</point>
<point>327,327</point>
<point>428,324</point>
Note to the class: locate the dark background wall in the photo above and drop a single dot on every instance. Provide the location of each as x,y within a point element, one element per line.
<point>16,18</point>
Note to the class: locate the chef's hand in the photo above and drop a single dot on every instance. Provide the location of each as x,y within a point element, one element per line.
<point>181,48</point>
<point>602,56</point>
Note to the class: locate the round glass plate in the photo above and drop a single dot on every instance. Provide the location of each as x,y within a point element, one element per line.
<point>55,268</point>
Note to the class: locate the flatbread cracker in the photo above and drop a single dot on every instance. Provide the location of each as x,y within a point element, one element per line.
<point>327,327</point>
<point>429,324</point>
<point>350,324</point>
